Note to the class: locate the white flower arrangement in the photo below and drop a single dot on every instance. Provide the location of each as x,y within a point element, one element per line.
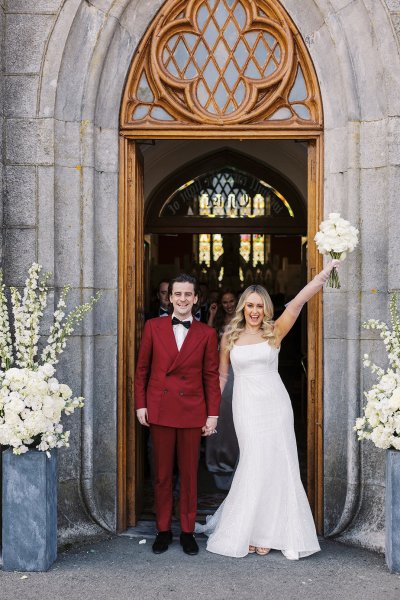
<point>381,420</point>
<point>336,237</point>
<point>32,400</point>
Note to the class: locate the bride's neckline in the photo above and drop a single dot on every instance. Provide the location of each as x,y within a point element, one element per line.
<point>255,344</point>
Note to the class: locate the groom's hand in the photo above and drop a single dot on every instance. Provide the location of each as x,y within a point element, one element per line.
<point>141,414</point>
<point>210,426</point>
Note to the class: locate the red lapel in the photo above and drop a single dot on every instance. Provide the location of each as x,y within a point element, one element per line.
<point>192,339</point>
<point>164,326</point>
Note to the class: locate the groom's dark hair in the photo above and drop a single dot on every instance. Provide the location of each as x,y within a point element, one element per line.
<point>183,278</point>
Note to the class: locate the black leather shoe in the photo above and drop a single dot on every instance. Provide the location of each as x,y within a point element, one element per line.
<point>162,541</point>
<point>189,544</point>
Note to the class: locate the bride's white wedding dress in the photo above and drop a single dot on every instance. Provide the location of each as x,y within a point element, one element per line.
<point>267,505</point>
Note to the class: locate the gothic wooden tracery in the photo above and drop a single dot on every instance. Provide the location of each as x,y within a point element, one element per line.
<point>213,63</point>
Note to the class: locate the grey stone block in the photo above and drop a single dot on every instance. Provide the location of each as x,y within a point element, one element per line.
<point>373,144</point>
<point>20,93</point>
<point>105,313</point>
<point>106,144</point>
<point>308,16</point>
<point>30,141</point>
<point>34,6</point>
<point>335,75</point>
<point>374,241</point>
<point>54,57</point>
<point>67,144</point>
<point>105,485</point>
<point>20,196</point>
<point>46,218</point>
<point>137,16</point>
<point>19,254</point>
<point>365,57</point>
<point>70,458</point>
<point>111,87</point>
<point>367,529</point>
<point>29,511</point>
<point>392,512</point>
<point>374,305</point>
<point>393,140</point>
<point>106,230</point>
<point>340,309</point>
<point>388,53</point>
<point>67,226</point>
<point>393,229</point>
<point>23,32</point>
<point>336,150</point>
<point>75,65</point>
<point>105,390</point>
<point>335,489</point>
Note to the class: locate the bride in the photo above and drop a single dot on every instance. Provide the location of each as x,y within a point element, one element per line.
<point>267,506</point>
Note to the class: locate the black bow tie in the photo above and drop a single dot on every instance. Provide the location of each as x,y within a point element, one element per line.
<point>176,321</point>
<point>162,312</point>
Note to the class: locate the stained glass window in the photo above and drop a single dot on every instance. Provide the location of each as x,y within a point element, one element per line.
<point>226,193</point>
<point>254,249</point>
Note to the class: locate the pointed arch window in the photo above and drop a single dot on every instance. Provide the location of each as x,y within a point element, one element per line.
<point>217,62</point>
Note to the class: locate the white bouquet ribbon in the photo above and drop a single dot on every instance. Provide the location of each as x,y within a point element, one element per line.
<point>336,237</point>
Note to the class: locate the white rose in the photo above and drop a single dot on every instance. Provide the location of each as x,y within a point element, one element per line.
<point>47,369</point>
<point>395,442</point>
<point>65,390</point>
<point>53,385</point>
<point>15,405</point>
<point>395,400</point>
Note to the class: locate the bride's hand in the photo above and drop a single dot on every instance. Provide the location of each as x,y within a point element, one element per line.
<point>210,426</point>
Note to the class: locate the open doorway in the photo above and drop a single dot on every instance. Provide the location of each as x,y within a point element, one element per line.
<point>230,220</point>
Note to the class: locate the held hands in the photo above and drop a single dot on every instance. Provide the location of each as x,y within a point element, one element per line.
<point>141,414</point>
<point>209,427</point>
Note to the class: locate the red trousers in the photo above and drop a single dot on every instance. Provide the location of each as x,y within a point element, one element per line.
<point>186,442</point>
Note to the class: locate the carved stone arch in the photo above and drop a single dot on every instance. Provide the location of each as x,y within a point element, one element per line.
<point>214,63</point>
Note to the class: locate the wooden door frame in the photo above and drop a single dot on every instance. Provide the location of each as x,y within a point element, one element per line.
<point>130,305</point>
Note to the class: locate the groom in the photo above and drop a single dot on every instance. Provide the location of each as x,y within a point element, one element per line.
<point>177,395</point>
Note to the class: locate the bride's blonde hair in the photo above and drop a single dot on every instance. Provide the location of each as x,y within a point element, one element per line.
<point>238,323</point>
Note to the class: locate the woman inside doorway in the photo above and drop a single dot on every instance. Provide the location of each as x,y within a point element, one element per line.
<point>222,451</point>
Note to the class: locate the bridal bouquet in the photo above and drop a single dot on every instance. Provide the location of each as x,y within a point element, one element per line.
<point>32,400</point>
<point>381,420</point>
<point>336,237</point>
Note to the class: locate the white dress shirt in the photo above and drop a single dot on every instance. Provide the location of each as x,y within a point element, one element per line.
<point>180,332</point>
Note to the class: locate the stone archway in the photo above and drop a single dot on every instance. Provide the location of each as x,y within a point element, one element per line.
<point>89,53</point>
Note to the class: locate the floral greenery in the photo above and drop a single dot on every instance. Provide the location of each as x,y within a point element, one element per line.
<point>31,398</point>
<point>381,420</point>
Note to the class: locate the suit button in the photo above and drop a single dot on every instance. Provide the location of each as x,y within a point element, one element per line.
<point>181,393</point>
<point>165,391</point>
<point>184,378</point>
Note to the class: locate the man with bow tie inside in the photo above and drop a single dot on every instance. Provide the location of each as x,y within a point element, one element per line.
<point>162,308</point>
<point>177,395</point>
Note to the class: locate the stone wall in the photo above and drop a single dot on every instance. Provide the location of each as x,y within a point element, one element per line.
<point>2,32</point>
<point>65,65</point>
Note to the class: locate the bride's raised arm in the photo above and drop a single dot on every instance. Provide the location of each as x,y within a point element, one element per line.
<point>224,362</point>
<point>288,318</point>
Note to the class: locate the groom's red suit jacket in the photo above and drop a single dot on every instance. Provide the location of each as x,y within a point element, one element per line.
<point>179,389</point>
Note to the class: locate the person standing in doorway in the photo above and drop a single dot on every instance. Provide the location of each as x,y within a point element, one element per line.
<point>163,306</point>
<point>177,395</point>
